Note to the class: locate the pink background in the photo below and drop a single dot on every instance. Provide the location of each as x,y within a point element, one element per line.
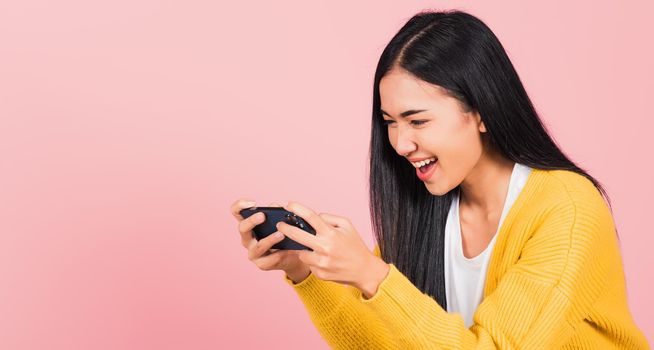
<point>127,128</point>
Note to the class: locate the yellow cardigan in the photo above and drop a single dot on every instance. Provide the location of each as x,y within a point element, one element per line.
<point>555,280</point>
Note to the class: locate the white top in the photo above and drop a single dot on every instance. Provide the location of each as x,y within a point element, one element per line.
<point>465,278</point>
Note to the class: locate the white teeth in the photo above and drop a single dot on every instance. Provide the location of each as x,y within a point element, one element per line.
<point>423,162</point>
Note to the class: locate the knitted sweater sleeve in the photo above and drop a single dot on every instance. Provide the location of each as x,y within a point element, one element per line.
<point>538,302</point>
<point>340,317</point>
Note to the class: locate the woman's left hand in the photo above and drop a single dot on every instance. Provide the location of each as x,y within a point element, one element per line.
<point>338,254</point>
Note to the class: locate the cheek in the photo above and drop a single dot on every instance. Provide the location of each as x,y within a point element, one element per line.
<point>392,138</point>
<point>458,150</point>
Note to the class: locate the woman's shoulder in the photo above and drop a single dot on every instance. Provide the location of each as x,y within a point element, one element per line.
<point>569,199</point>
<point>569,180</point>
<point>563,187</point>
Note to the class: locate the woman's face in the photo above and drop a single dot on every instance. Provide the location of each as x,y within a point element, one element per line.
<point>442,130</point>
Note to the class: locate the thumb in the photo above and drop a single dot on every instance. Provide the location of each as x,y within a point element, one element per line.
<point>291,259</point>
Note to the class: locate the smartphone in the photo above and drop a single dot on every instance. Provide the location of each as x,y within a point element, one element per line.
<point>273,216</point>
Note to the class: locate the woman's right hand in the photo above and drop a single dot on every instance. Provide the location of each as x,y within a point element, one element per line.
<point>259,251</point>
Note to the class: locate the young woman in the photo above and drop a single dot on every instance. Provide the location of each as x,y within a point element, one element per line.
<point>488,235</point>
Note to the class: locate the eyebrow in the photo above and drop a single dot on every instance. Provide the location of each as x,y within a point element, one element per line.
<point>405,113</point>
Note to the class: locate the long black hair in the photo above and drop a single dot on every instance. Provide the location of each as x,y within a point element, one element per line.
<point>458,52</point>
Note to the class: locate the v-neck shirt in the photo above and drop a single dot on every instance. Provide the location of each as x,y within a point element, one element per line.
<point>465,277</point>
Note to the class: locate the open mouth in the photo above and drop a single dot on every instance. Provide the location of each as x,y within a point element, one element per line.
<point>425,168</point>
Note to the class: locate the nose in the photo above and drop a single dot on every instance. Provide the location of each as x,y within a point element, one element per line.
<point>404,142</point>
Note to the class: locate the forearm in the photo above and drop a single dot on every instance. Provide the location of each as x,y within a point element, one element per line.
<point>377,271</point>
<point>511,317</point>
<point>339,316</point>
<point>298,275</point>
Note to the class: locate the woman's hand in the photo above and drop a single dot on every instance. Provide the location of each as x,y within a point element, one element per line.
<point>338,254</point>
<point>259,252</point>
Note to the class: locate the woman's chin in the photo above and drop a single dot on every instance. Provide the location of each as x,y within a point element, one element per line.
<point>435,190</point>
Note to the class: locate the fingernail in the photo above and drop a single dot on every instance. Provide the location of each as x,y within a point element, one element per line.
<point>278,234</point>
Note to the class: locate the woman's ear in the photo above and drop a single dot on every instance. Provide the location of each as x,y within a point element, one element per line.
<point>480,123</point>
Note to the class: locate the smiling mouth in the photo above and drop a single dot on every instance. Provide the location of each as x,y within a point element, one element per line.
<point>424,162</point>
<point>425,168</point>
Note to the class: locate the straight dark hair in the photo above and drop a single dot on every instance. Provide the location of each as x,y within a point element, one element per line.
<point>458,52</point>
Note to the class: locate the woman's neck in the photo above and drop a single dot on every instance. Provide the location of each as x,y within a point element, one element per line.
<point>486,186</point>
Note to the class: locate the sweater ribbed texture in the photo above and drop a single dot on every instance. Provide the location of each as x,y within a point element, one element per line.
<point>555,280</point>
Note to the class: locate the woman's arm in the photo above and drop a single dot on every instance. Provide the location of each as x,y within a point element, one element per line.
<point>564,267</point>
<point>340,317</point>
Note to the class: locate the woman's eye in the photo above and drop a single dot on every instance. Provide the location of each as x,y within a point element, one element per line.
<point>415,122</point>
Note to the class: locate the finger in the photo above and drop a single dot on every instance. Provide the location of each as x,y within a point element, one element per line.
<point>336,221</point>
<point>262,246</point>
<point>274,260</point>
<point>240,204</point>
<point>308,215</point>
<point>245,227</point>
<point>299,235</point>
<point>309,258</point>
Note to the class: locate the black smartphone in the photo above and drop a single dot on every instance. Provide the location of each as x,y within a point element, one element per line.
<point>273,216</point>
